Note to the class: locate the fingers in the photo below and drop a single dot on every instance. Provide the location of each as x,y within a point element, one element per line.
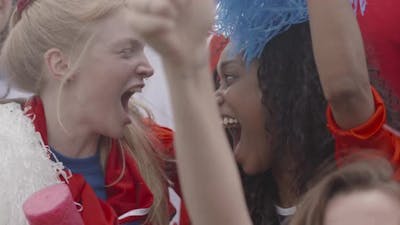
<point>163,8</point>
<point>153,21</point>
<point>171,27</point>
<point>147,25</point>
<point>180,4</point>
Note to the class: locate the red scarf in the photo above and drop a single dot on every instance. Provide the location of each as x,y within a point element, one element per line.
<point>129,199</point>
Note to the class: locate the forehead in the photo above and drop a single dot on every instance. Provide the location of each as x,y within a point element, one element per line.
<point>361,206</point>
<point>115,28</point>
<point>228,58</point>
<point>228,55</point>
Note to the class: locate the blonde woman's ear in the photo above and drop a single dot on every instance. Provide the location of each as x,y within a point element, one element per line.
<point>57,64</point>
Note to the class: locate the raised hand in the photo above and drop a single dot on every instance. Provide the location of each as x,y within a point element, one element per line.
<point>174,28</point>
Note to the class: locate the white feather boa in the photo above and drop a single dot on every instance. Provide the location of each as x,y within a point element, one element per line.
<point>24,164</point>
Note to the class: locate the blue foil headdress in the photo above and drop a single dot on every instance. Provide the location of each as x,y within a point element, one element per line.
<point>251,24</point>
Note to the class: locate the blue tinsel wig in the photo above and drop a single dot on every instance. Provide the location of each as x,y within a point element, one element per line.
<point>251,24</point>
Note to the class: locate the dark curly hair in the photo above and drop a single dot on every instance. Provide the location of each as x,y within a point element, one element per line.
<point>296,110</point>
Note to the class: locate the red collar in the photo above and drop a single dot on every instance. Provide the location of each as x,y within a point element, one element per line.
<point>126,197</point>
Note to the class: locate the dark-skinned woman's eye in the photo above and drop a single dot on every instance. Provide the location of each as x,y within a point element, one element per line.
<point>229,79</point>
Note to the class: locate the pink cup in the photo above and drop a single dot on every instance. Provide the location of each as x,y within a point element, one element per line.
<point>52,206</point>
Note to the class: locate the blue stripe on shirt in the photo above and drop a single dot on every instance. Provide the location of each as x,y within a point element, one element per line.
<point>90,168</point>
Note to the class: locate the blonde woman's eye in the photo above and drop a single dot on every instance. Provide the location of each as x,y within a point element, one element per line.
<point>127,52</point>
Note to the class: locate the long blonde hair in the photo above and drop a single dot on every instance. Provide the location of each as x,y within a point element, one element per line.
<point>65,24</point>
<point>142,143</point>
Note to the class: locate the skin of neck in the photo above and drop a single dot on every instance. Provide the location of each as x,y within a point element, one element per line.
<point>71,136</point>
<point>284,175</point>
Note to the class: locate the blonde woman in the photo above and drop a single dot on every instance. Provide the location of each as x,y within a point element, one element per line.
<point>84,61</point>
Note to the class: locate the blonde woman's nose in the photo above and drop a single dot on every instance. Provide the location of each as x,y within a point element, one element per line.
<point>145,70</point>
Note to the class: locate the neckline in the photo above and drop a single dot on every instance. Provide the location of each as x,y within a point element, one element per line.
<point>285,211</point>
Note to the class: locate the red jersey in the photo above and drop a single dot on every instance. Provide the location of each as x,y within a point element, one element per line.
<point>129,200</point>
<point>381,32</point>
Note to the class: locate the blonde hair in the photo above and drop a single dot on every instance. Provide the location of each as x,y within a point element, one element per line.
<point>47,24</point>
<point>65,24</point>
<point>141,141</point>
<point>364,175</point>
